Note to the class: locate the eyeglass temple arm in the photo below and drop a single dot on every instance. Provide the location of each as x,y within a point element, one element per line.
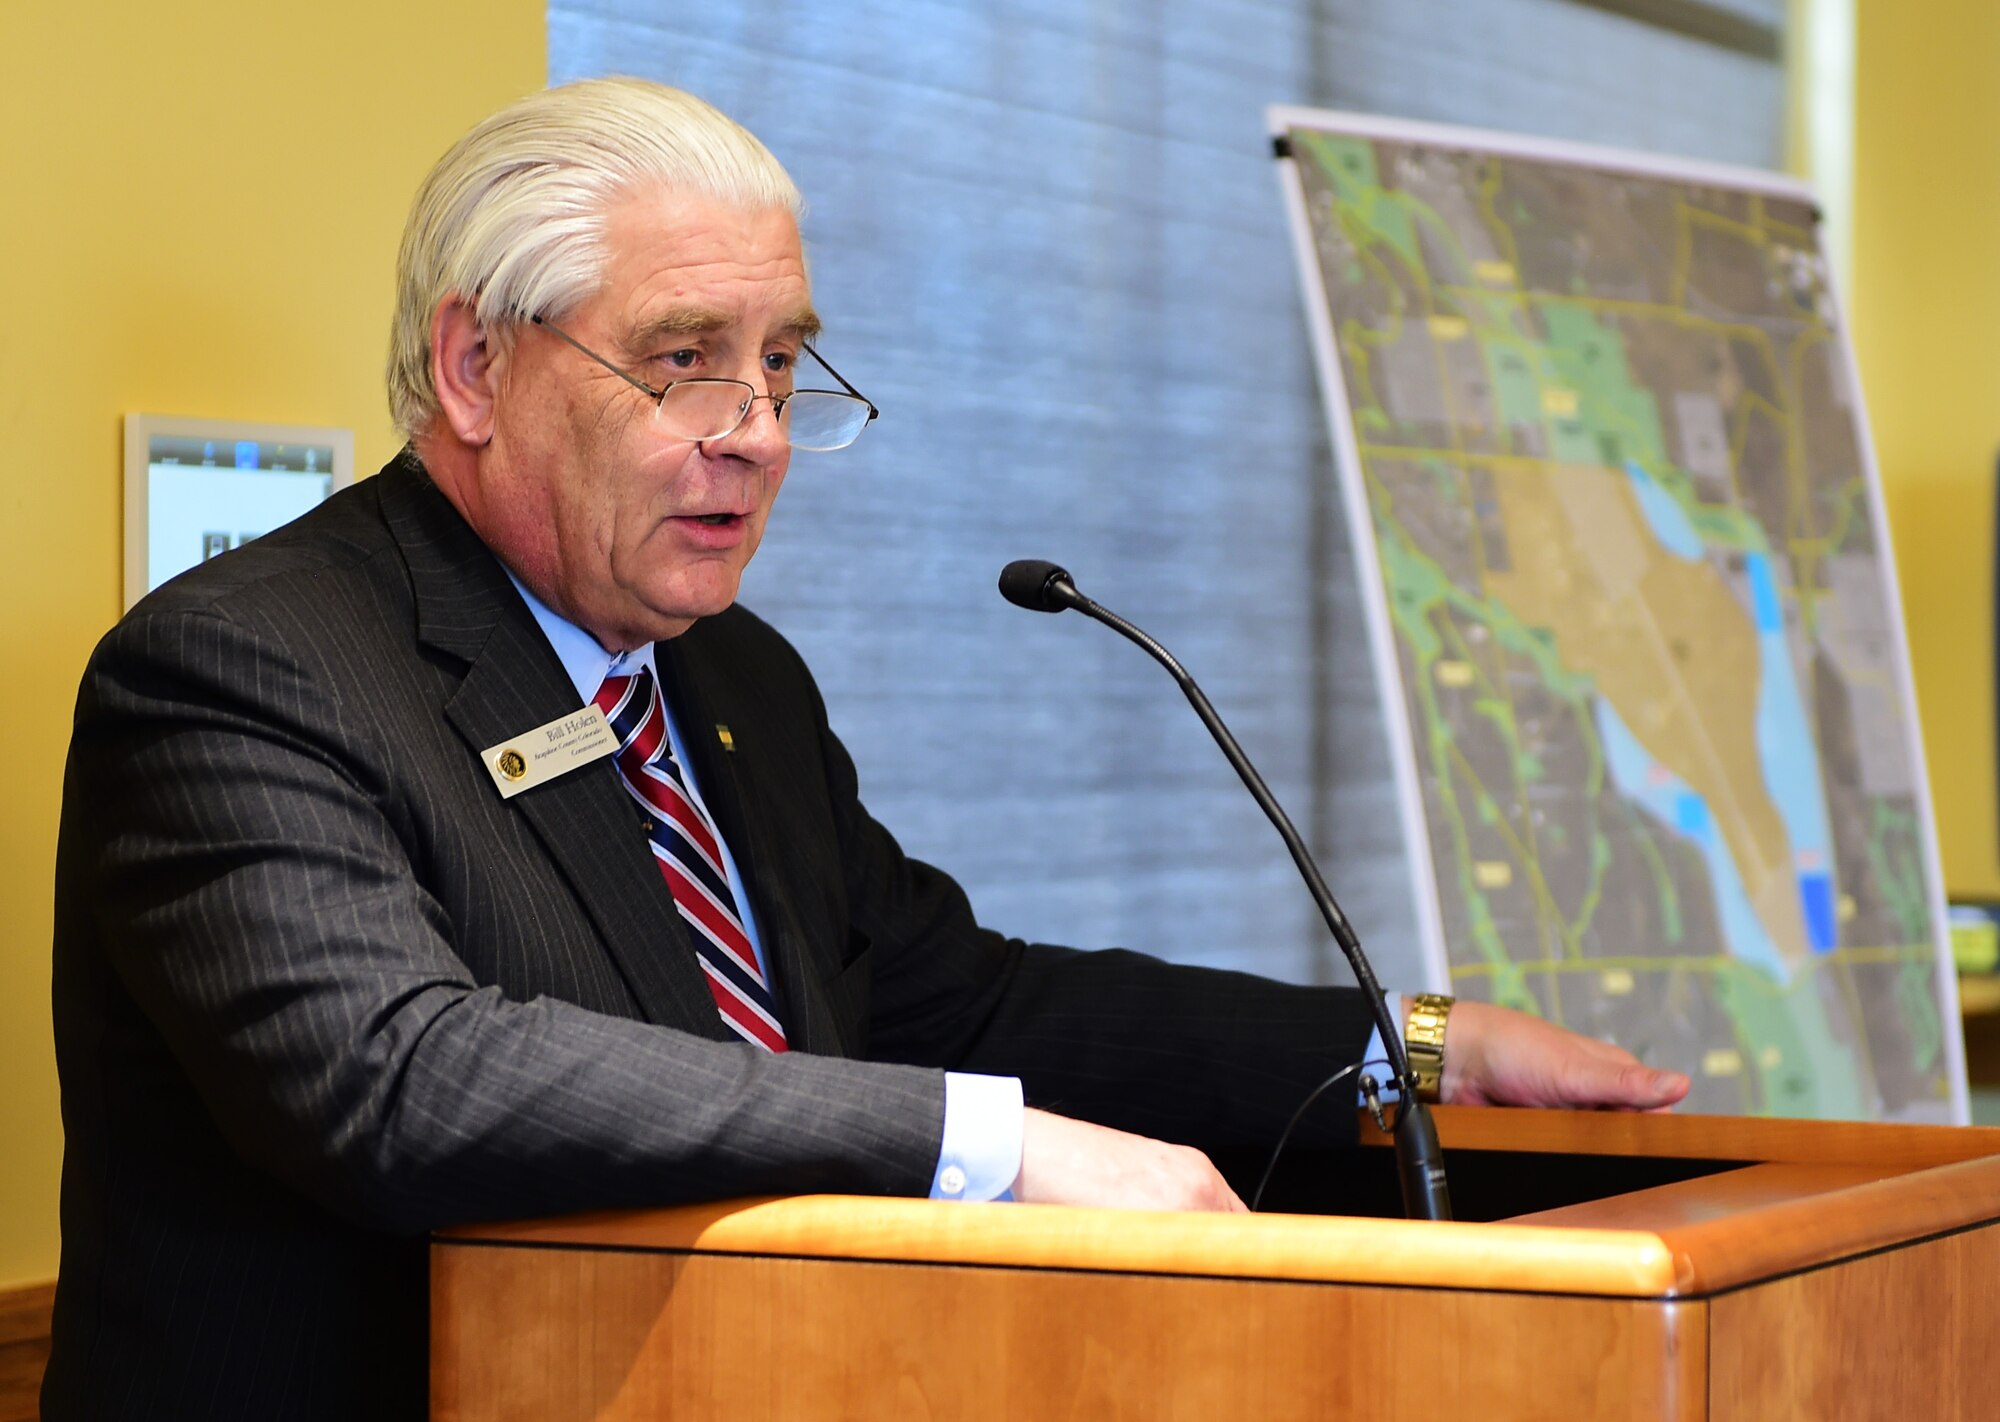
<point>872,411</point>
<point>625,375</point>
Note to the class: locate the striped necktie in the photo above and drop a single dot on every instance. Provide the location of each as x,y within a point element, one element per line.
<point>689,853</point>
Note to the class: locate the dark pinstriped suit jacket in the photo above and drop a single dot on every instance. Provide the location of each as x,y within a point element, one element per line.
<point>319,989</point>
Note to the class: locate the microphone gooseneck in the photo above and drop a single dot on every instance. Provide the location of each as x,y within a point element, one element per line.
<point>1044,587</point>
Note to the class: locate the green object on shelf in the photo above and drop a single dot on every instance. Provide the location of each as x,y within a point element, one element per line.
<point>1975,941</point>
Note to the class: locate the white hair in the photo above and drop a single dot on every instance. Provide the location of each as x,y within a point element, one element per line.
<point>511,219</point>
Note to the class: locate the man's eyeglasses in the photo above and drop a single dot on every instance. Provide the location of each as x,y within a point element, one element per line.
<point>703,408</point>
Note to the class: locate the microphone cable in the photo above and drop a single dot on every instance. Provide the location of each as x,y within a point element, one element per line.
<point>1286,1135</point>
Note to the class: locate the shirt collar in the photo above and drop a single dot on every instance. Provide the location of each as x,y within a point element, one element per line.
<point>580,654</point>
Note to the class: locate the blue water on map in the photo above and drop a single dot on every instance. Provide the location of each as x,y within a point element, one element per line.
<point>1669,521</point>
<point>1789,759</point>
<point>1785,751</point>
<point>1667,798</point>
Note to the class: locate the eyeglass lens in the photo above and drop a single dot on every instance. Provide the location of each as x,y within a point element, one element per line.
<point>811,419</point>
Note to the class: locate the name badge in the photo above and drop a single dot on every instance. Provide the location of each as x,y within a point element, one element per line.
<point>542,754</point>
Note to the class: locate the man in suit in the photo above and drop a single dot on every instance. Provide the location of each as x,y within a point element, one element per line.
<point>323,983</point>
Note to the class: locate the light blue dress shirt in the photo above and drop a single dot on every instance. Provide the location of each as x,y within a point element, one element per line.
<point>981,1155</point>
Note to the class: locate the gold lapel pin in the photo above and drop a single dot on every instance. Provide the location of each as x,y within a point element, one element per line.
<point>722,734</point>
<point>512,764</point>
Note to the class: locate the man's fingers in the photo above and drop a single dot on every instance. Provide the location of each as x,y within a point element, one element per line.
<point>1067,1162</point>
<point>1590,1080</point>
<point>1495,1057</point>
<point>1652,1090</point>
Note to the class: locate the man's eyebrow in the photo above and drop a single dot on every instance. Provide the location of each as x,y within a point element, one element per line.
<point>803,324</point>
<point>681,321</point>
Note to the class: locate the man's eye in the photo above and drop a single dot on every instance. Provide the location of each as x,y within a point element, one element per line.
<point>776,361</point>
<point>680,360</point>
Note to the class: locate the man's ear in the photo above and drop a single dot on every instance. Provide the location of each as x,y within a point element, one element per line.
<point>465,367</point>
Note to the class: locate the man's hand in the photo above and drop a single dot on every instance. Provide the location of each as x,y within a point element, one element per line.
<point>1065,1162</point>
<point>1497,1057</point>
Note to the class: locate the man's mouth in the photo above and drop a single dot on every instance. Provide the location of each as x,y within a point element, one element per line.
<point>714,530</point>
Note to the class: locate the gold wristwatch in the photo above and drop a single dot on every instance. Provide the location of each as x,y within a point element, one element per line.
<point>1423,1038</point>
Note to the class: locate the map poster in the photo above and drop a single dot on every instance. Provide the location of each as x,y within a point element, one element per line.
<point>1633,608</point>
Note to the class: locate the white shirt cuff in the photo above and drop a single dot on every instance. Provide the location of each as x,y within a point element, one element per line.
<point>981,1154</point>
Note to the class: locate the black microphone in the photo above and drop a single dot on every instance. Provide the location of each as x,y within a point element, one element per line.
<point>1043,587</point>
<point>1039,586</point>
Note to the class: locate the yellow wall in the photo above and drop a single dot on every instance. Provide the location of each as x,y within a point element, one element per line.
<point>1926,322</point>
<point>199,207</point>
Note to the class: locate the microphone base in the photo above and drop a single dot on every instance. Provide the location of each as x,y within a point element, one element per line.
<point>1420,1161</point>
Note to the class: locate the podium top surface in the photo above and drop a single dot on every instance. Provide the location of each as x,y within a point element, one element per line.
<point>1808,1193</point>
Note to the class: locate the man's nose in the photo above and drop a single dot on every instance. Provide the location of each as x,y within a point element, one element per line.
<point>759,437</point>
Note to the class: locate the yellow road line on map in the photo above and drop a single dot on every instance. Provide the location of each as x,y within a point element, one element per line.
<point>1550,923</point>
<point>1523,461</point>
<point>1489,187</point>
<point>1713,962</point>
<point>1654,310</point>
<point>1702,217</point>
<point>1798,482</point>
<point>1844,975</point>
<point>1527,854</point>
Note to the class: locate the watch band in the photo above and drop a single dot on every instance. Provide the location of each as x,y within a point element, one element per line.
<point>1423,1038</point>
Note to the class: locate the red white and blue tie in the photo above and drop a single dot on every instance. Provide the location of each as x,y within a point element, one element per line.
<point>689,853</point>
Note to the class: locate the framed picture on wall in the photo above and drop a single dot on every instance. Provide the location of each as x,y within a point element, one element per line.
<point>196,488</point>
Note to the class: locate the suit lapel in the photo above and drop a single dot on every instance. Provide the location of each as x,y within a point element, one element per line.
<point>759,852</point>
<point>467,607</point>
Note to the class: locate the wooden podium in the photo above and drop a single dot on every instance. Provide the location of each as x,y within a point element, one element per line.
<point>1698,1267</point>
